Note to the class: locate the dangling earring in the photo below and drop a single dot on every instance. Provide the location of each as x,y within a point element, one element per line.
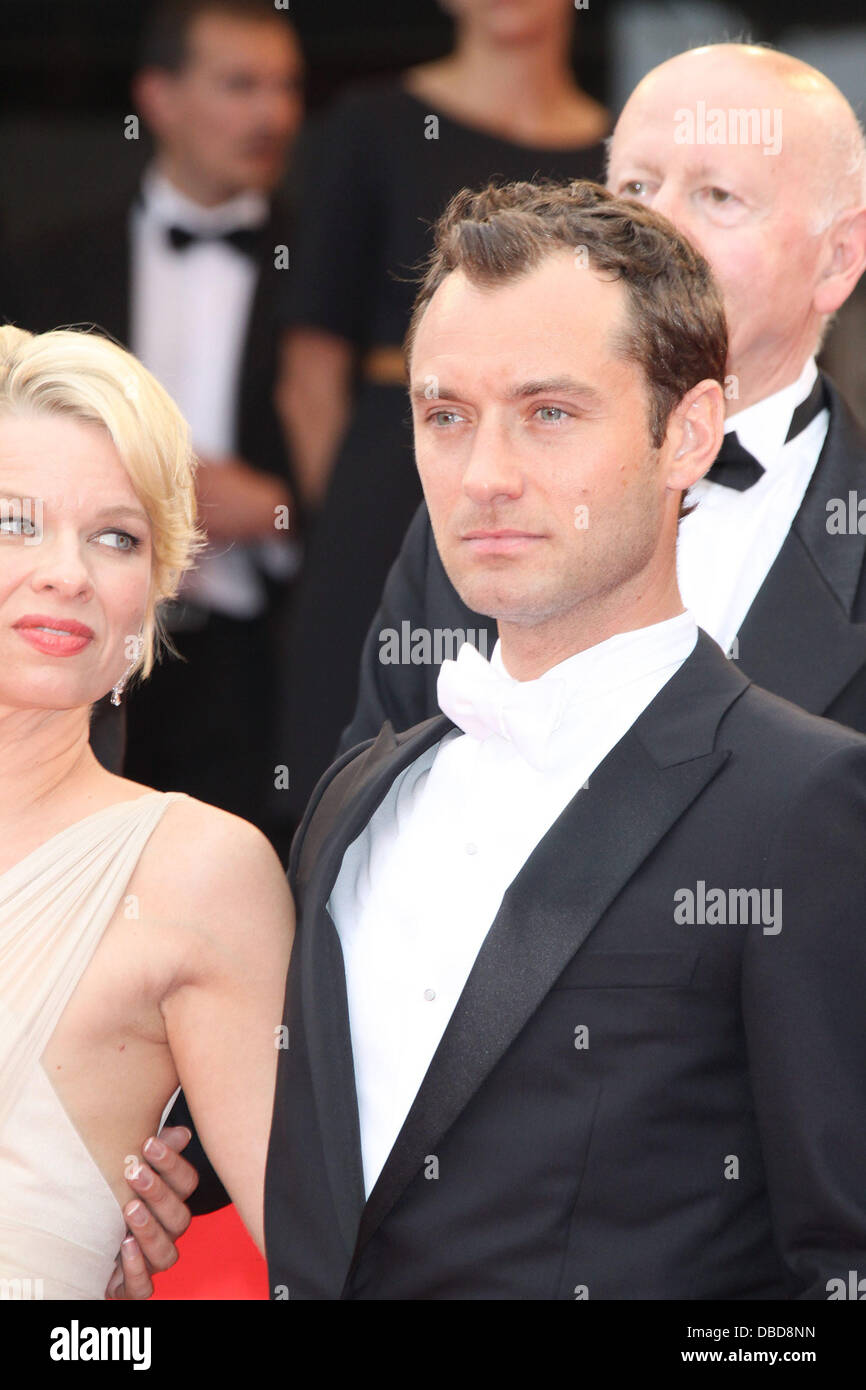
<point>117,690</point>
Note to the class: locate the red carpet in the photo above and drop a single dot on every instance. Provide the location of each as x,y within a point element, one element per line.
<point>217,1260</point>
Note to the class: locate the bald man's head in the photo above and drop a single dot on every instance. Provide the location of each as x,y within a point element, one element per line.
<point>825,140</point>
<point>782,220</point>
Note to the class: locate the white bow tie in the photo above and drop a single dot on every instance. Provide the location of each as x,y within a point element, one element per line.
<point>481,701</point>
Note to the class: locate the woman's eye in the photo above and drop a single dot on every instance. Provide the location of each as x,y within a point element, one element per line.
<point>633,188</point>
<point>721,196</point>
<point>17,526</point>
<point>126,541</point>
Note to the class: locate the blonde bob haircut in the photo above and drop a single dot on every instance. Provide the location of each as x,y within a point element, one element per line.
<point>90,378</point>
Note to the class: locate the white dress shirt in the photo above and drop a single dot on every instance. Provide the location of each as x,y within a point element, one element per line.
<point>189,317</point>
<point>419,888</point>
<point>727,546</point>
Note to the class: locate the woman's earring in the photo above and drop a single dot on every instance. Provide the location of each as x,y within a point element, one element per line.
<point>117,691</point>
<point>135,646</point>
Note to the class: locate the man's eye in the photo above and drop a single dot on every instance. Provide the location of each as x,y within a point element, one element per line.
<point>552,414</point>
<point>441,418</point>
<point>633,188</point>
<point>721,196</point>
<point>126,541</point>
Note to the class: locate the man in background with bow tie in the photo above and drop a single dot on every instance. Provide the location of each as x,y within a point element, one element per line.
<point>763,564</point>
<point>186,272</point>
<point>526,1060</point>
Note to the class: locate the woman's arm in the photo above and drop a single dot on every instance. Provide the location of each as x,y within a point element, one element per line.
<point>224,1011</point>
<point>313,397</point>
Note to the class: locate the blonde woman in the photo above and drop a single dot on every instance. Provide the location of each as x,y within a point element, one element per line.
<point>144,936</point>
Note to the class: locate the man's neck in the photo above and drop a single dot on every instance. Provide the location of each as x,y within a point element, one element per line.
<point>528,651</point>
<point>192,184</point>
<point>755,383</point>
<point>41,752</point>
<point>538,68</point>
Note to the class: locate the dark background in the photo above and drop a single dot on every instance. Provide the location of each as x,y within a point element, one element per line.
<point>65,67</point>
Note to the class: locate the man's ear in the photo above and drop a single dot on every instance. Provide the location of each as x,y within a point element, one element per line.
<point>694,435</point>
<point>152,92</point>
<point>845,261</point>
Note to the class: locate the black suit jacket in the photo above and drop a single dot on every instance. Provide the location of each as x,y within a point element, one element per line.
<point>804,636</point>
<point>80,274</point>
<point>710,1141</point>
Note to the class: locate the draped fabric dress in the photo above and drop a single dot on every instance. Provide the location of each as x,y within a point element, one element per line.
<point>60,1223</point>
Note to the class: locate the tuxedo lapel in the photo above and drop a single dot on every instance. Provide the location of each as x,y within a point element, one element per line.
<point>345,807</point>
<point>841,468</point>
<point>258,431</point>
<point>257,354</point>
<point>798,639</point>
<point>576,871</point>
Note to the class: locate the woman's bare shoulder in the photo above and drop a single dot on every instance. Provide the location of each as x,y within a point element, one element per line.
<point>216,831</point>
<point>219,867</point>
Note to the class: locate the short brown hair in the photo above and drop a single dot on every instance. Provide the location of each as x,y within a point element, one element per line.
<point>676,330</point>
<point>164,42</point>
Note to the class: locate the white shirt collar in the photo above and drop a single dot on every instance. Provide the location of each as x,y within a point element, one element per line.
<point>618,661</point>
<point>762,427</point>
<point>166,205</point>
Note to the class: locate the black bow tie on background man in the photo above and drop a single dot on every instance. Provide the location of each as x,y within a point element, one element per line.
<point>245,239</point>
<point>735,467</point>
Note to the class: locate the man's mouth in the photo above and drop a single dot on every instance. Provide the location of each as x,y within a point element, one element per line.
<point>497,533</point>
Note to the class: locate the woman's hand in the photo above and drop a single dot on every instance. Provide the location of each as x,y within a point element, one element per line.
<point>158,1216</point>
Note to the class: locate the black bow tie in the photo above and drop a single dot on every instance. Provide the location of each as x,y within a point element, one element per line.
<point>737,468</point>
<point>245,239</point>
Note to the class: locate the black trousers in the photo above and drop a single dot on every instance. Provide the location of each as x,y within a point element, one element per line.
<point>205,724</point>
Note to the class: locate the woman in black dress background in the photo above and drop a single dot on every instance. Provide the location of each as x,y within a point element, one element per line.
<point>376,170</point>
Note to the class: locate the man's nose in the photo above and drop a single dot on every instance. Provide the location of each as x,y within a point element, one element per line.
<point>492,471</point>
<point>666,200</point>
<point>672,205</point>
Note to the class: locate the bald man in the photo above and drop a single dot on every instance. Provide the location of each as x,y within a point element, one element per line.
<point>759,160</point>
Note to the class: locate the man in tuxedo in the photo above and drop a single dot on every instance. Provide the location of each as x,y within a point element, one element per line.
<point>186,271</point>
<point>575,1003</point>
<point>766,562</point>
<point>803,633</point>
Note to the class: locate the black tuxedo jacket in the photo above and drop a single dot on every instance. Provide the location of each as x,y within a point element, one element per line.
<point>705,1138</point>
<point>80,274</point>
<point>804,636</point>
